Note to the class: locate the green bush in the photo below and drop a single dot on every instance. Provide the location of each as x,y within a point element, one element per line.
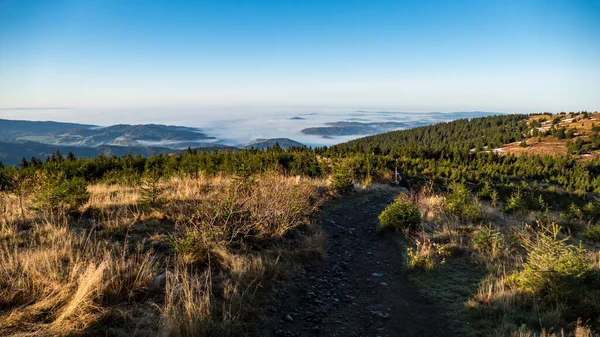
<point>554,269</point>
<point>486,190</point>
<point>515,202</point>
<point>593,233</point>
<point>591,210</point>
<point>341,181</point>
<point>461,204</point>
<point>57,192</point>
<point>489,241</point>
<point>151,191</point>
<point>401,214</point>
<point>571,216</point>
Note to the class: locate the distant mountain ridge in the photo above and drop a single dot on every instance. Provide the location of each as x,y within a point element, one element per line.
<point>92,135</point>
<point>13,129</point>
<point>40,139</point>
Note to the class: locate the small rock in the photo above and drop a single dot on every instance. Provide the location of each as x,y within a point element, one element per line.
<point>377,274</point>
<point>289,318</point>
<point>383,284</point>
<point>159,281</point>
<point>380,314</point>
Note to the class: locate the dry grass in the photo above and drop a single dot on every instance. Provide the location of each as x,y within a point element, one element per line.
<point>116,262</point>
<point>58,282</point>
<point>550,145</point>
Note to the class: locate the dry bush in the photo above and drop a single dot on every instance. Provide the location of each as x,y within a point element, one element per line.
<point>16,208</point>
<point>235,234</point>
<point>425,255</point>
<point>278,205</point>
<point>431,205</point>
<point>247,212</point>
<point>215,302</point>
<point>496,294</point>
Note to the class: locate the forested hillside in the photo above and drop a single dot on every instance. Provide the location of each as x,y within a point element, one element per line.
<point>434,140</point>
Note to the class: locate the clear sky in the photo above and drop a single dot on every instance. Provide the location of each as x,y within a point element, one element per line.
<point>514,56</point>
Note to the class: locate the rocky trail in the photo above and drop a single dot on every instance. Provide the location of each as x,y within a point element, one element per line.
<point>360,289</point>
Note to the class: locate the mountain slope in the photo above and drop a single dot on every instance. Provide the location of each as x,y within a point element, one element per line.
<point>463,134</point>
<point>14,129</point>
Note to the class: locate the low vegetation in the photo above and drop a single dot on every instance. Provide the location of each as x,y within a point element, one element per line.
<point>104,259</point>
<point>522,273</point>
<point>402,214</point>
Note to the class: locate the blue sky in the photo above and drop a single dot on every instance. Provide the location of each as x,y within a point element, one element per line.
<point>515,56</point>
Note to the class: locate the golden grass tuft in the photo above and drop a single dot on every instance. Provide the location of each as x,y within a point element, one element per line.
<point>57,284</point>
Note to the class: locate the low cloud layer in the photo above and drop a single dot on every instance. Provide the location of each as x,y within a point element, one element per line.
<point>242,126</point>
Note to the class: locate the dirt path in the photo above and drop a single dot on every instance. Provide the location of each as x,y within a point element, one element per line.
<point>360,290</point>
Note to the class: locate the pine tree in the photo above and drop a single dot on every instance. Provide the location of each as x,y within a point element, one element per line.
<point>151,190</point>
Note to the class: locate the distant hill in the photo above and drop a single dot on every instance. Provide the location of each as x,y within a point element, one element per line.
<point>121,135</point>
<point>14,129</point>
<point>12,152</point>
<point>28,139</point>
<point>266,143</point>
<point>39,139</point>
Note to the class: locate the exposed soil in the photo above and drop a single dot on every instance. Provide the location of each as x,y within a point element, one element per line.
<point>360,289</point>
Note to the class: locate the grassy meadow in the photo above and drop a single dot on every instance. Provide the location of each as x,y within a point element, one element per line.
<point>172,257</point>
